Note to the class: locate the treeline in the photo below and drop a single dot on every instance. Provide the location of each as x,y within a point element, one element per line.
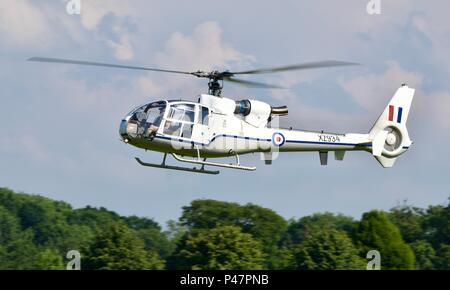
<point>37,232</point>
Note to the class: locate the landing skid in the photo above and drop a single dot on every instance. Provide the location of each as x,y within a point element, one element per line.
<point>198,160</point>
<point>204,162</point>
<point>179,168</point>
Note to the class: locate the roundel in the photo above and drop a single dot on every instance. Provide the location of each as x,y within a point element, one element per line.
<point>278,139</point>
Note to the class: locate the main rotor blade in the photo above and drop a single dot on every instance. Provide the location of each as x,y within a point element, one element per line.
<point>251,84</point>
<point>309,65</point>
<point>70,61</point>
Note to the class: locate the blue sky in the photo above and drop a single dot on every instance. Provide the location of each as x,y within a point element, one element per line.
<point>60,122</point>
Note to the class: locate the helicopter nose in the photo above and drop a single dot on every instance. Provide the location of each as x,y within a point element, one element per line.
<point>123,131</point>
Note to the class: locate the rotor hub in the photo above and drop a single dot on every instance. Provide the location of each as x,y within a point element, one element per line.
<point>391,139</point>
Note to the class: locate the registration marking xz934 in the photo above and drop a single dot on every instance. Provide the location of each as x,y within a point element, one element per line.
<point>329,138</point>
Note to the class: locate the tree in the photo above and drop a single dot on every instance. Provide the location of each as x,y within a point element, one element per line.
<point>409,220</point>
<point>294,233</point>
<point>17,250</point>
<point>425,255</point>
<point>220,248</point>
<point>437,225</point>
<point>156,241</point>
<point>94,218</point>
<point>376,232</point>
<point>443,260</point>
<point>140,223</point>
<point>118,247</point>
<point>263,224</point>
<point>150,232</point>
<point>48,259</point>
<point>325,248</point>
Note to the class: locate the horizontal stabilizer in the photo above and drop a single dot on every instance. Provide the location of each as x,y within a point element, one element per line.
<point>339,155</point>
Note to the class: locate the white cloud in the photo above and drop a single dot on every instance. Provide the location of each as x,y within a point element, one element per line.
<point>204,50</point>
<point>93,11</point>
<point>372,91</point>
<point>433,23</point>
<point>22,23</point>
<point>434,107</point>
<point>123,49</point>
<point>26,145</point>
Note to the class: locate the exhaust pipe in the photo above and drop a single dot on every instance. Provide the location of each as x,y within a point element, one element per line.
<point>281,111</point>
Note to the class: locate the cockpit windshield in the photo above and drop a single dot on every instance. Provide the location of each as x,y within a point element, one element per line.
<point>145,120</point>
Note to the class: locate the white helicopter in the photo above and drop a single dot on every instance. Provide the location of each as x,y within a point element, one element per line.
<point>216,126</point>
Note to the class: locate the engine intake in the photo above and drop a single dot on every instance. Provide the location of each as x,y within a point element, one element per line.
<point>243,107</point>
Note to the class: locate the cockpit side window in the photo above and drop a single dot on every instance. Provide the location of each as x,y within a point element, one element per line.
<point>180,120</point>
<point>204,116</point>
<point>176,113</point>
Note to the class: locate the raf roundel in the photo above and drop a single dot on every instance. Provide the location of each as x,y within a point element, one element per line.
<point>278,139</point>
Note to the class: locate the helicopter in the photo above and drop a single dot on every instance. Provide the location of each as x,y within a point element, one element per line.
<point>216,126</point>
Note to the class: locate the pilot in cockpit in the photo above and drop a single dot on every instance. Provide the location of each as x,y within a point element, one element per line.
<point>153,128</point>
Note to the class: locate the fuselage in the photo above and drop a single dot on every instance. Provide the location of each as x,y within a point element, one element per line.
<point>213,127</point>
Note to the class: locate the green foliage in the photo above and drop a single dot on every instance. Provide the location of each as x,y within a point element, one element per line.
<point>409,220</point>
<point>94,218</point>
<point>263,224</point>
<point>425,255</point>
<point>443,260</point>
<point>118,247</point>
<point>376,232</point>
<point>140,223</point>
<point>294,233</point>
<point>155,240</point>
<point>222,248</point>
<point>36,233</point>
<point>48,259</point>
<point>437,225</point>
<point>306,241</point>
<point>326,248</point>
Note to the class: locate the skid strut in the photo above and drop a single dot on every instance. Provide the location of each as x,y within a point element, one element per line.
<point>179,168</point>
<point>199,160</point>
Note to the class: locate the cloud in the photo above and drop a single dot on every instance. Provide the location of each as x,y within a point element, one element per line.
<point>115,26</point>
<point>26,145</point>
<point>123,49</point>
<point>25,23</point>
<point>434,110</point>
<point>93,11</point>
<point>434,25</point>
<point>110,20</point>
<point>22,23</point>
<point>204,49</point>
<point>373,90</point>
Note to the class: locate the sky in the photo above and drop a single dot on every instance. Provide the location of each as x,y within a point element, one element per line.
<point>59,123</point>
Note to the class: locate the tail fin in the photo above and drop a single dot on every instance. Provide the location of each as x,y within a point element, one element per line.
<point>389,135</point>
